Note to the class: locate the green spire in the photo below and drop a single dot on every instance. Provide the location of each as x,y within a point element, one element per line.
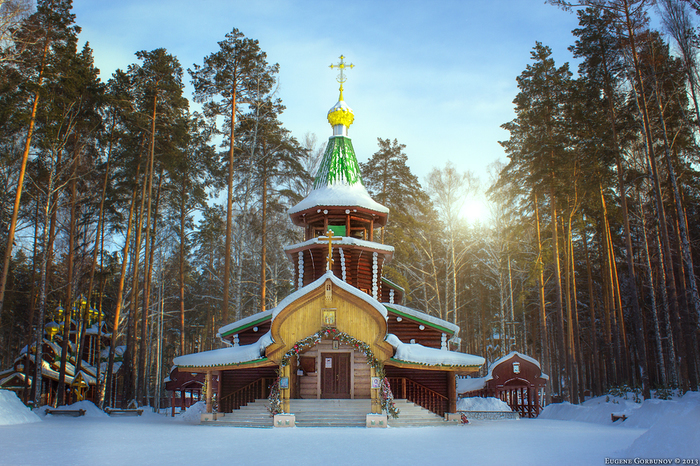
<point>339,164</point>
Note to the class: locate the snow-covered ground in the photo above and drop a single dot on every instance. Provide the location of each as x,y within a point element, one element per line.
<point>564,434</point>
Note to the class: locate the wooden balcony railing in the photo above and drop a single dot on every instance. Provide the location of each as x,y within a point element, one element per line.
<point>255,390</point>
<point>419,394</point>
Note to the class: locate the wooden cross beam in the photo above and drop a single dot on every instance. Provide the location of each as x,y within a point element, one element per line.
<point>329,237</point>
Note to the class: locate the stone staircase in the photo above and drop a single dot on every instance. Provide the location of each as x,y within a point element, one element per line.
<point>330,413</point>
<point>412,415</point>
<point>327,413</point>
<point>254,414</point>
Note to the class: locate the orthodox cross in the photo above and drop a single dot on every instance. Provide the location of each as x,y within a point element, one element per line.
<point>341,77</point>
<point>329,238</point>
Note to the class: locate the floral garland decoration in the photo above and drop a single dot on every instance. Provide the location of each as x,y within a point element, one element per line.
<point>387,397</point>
<point>274,398</point>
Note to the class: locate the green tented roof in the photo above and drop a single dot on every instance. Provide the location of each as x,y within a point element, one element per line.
<point>339,164</point>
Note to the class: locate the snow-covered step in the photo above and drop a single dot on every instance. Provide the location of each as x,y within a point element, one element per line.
<point>254,414</point>
<point>330,413</point>
<point>412,415</point>
<point>327,413</point>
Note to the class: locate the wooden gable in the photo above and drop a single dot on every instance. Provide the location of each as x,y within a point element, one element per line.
<point>516,369</point>
<point>353,315</point>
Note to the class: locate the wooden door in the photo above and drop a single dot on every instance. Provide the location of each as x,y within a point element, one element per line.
<point>335,375</point>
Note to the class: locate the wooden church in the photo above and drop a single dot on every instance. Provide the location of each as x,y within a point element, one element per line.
<point>344,333</point>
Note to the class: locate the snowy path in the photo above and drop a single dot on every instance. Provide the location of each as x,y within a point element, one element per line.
<point>156,440</point>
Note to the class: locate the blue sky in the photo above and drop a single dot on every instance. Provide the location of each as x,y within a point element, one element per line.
<point>438,76</point>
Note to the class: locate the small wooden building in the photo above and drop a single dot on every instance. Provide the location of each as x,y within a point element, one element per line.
<point>516,379</point>
<point>186,388</point>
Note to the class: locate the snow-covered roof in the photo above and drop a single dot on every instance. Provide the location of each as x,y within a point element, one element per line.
<point>4,380</point>
<point>50,373</point>
<point>341,195</point>
<point>118,352</point>
<point>435,321</point>
<point>417,353</point>
<point>337,282</point>
<point>103,368</point>
<point>392,284</point>
<point>470,384</point>
<point>509,356</point>
<point>226,356</point>
<point>260,316</point>
<point>95,330</point>
<point>342,241</point>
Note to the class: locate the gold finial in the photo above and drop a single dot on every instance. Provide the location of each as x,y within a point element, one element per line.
<point>341,76</point>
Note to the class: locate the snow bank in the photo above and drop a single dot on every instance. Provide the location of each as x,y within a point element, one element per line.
<point>676,432</point>
<point>596,410</point>
<point>193,414</point>
<point>482,404</point>
<point>13,411</point>
<point>673,425</point>
<point>90,409</point>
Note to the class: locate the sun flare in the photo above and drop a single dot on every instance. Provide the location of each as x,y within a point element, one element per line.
<point>474,211</point>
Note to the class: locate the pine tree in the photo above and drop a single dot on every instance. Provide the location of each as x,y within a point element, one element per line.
<point>50,30</point>
<point>537,149</point>
<point>233,75</point>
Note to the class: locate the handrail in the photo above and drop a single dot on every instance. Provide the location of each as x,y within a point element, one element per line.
<point>421,395</point>
<point>257,389</point>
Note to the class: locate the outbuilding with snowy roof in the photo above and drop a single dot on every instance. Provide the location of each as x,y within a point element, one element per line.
<point>516,379</point>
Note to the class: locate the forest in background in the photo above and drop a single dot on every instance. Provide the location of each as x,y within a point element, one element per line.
<point>169,222</point>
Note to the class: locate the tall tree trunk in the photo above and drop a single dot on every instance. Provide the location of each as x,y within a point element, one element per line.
<point>571,316</point>
<point>652,298</point>
<point>32,301</point>
<point>150,243</point>
<point>146,256</point>
<point>636,309</point>
<point>147,289</point>
<point>98,248</point>
<point>610,360</point>
<point>120,292</point>
<point>684,244</point>
<point>181,262</point>
<point>544,340</point>
<point>65,347</point>
<point>263,246</point>
<point>38,355</point>
<point>558,293</point>
<point>229,214</point>
<point>621,331</point>
<point>20,180</point>
<point>129,352</point>
<point>651,158</point>
<point>597,376</point>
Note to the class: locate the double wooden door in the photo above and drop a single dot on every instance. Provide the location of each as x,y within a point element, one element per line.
<point>335,375</point>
